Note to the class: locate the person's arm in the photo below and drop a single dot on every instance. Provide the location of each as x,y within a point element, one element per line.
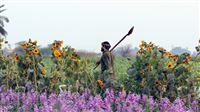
<point>98,62</point>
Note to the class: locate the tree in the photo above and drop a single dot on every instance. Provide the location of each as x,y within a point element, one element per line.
<point>179,50</point>
<point>3,32</point>
<point>46,51</point>
<point>124,50</point>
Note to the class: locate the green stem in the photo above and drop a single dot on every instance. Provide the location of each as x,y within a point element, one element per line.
<point>35,73</point>
<point>7,75</point>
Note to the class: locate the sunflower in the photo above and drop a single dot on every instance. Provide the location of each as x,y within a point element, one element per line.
<point>142,46</point>
<point>58,45</point>
<point>36,51</point>
<point>27,45</point>
<point>100,83</point>
<point>157,83</point>
<point>170,54</point>
<point>175,58</point>
<point>44,71</point>
<point>170,66</point>
<point>165,54</point>
<point>57,53</point>
<point>141,51</point>
<point>149,48</point>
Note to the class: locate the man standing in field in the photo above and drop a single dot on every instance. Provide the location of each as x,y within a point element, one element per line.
<point>107,66</point>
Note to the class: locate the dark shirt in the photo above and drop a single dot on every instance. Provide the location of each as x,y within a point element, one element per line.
<point>106,62</point>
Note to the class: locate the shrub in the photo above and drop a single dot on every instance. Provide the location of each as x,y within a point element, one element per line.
<point>159,73</point>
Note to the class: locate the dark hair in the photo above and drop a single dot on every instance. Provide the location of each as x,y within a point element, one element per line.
<point>106,44</point>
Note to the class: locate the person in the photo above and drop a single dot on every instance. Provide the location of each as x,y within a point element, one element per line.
<point>107,66</point>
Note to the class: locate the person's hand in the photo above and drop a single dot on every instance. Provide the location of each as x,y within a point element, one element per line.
<point>98,62</point>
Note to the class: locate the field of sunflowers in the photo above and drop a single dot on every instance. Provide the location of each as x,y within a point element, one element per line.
<point>155,80</point>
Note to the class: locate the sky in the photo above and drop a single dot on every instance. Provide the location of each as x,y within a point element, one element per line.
<point>84,24</point>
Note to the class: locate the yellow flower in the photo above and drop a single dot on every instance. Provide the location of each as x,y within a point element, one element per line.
<point>100,83</point>
<point>35,51</point>
<point>149,49</point>
<point>44,71</point>
<point>165,54</point>
<point>141,51</point>
<point>142,46</point>
<point>168,54</point>
<point>157,83</point>
<point>27,45</point>
<point>175,58</point>
<point>170,66</point>
<point>57,53</point>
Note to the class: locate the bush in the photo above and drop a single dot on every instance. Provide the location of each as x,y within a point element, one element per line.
<point>159,73</point>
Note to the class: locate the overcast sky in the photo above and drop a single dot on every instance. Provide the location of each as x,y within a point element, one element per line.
<point>84,24</point>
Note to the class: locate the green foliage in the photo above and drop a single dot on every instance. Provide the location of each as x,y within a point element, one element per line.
<point>8,69</point>
<point>69,70</point>
<point>159,73</point>
<point>153,71</point>
<point>30,66</point>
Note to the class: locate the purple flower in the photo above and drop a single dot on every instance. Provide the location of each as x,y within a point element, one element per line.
<point>73,102</point>
<point>164,105</point>
<point>178,106</point>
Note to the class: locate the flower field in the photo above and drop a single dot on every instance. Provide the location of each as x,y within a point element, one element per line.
<point>85,102</point>
<point>155,80</point>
